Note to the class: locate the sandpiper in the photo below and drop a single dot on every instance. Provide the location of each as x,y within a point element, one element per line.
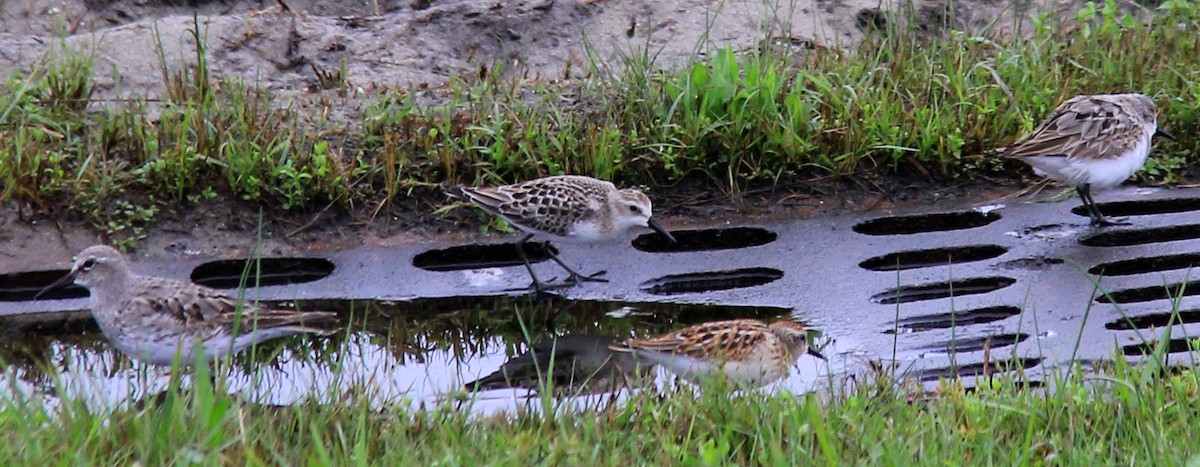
<point>156,320</point>
<point>1091,142</point>
<point>576,365</point>
<point>748,352</point>
<point>569,208</point>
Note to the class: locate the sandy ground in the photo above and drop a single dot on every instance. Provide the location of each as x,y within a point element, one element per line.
<point>414,42</point>
<point>401,43</point>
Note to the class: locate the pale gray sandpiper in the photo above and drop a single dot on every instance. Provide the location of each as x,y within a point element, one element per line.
<point>155,319</point>
<point>1091,142</point>
<point>569,208</point>
<point>575,365</point>
<point>748,352</point>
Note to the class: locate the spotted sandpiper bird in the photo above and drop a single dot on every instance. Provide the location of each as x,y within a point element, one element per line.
<point>157,320</point>
<point>569,208</point>
<point>748,352</point>
<point>1091,143</point>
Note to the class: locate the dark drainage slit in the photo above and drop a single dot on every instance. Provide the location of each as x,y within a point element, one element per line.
<point>932,257</point>
<point>976,344</point>
<point>1154,292</point>
<point>1144,265</point>
<point>1153,320</point>
<point>227,274</point>
<point>948,320</point>
<point>1142,208</point>
<point>1147,348</point>
<point>711,281</point>
<point>957,288</point>
<point>1143,236</point>
<point>1032,263</point>
<point>704,240</point>
<point>977,369</point>
<point>458,258</point>
<point>904,225</point>
<point>23,286</point>
<point>1020,385</point>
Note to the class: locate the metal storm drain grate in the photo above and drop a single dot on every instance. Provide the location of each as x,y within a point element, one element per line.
<point>1069,290</point>
<point>958,292</point>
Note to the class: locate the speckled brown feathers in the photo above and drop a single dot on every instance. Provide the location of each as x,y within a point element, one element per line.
<point>1091,143</point>
<point>161,321</point>
<point>1102,126</point>
<point>195,307</point>
<point>550,205</point>
<point>566,207</point>
<point>746,351</point>
<point>730,340</point>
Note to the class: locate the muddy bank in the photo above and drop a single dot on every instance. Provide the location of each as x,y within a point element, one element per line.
<point>402,43</point>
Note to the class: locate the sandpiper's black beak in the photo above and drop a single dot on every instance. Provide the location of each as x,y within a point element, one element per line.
<point>813,352</point>
<point>62,281</point>
<point>653,223</point>
<point>1164,134</point>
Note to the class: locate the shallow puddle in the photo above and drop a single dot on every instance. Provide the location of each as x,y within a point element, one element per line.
<point>413,353</point>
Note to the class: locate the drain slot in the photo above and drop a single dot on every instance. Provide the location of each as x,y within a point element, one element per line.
<point>905,225</point>
<point>1155,292</point>
<point>711,281</point>
<point>1143,208</point>
<point>1153,320</point>
<point>1147,348</point>
<point>977,343</point>
<point>458,258</point>
<point>227,274</point>
<point>704,240</point>
<point>23,286</point>
<point>957,288</point>
<point>1143,236</point>
<point>1144,265</point>
<point>932,257</point>
<point>978,369</point>
<point>949,320</point>
<point>1032,263</point>
<point>1020,385</point>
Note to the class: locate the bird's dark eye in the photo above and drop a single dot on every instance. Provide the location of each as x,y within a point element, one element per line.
<point>88,264</point>
<point>633,208</point>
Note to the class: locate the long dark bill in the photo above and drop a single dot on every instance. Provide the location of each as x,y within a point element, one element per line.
<point>660,229</point>
<point>62,281</point>
<point>813,352</point>
<point>1164,134</point>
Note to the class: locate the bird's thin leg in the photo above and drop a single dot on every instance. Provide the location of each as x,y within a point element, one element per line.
<point>537,285</point>
<point>1085,194</point>
<point>575,277</point>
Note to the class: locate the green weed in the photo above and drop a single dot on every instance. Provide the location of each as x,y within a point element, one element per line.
<point>905,101</point>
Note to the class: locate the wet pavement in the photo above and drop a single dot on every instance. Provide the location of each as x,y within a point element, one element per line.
<point>981,289</point>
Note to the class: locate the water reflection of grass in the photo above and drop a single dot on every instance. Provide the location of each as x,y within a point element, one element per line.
<point>1117,411</point>
<point>464,328</point>
<point>1129,414</point>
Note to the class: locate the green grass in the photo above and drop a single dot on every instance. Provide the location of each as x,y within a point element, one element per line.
<point>903,102</point>
<point>1131,415</point>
